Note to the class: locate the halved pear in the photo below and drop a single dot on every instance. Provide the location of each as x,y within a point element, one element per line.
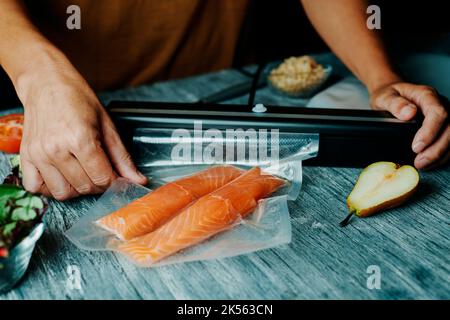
<point>380,186</point>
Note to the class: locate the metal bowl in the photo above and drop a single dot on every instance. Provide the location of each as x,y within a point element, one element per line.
<point>14,266</point>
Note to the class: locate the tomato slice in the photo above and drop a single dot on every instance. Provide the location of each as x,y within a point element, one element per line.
<point>11,127</point>
<point>3,253</point>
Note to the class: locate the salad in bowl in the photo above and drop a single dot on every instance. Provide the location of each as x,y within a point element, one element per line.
<point>20,226</point>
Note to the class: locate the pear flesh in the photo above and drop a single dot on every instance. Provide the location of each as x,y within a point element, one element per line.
<point>380,186</point>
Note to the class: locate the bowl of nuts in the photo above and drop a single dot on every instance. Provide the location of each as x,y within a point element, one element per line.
<point>298,77</point>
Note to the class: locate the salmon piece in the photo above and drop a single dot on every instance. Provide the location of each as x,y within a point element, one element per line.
<point>149,212</point>
<point>209,215</point>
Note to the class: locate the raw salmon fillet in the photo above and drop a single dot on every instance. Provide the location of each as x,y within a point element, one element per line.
<point>149,212</point>
<point>209,215</point>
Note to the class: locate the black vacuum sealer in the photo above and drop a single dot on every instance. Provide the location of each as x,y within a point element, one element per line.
<point>349,138</point>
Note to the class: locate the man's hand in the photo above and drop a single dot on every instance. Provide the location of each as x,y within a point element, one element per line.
<point>342,24</point>
<point>70,146</point>
<point>404,100</point>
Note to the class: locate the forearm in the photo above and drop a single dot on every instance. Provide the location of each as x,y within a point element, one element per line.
<point>342,24</point>
<point>23,49</point>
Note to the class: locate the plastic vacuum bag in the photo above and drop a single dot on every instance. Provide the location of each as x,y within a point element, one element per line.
<point>169,148</point>
<point>266,227</point>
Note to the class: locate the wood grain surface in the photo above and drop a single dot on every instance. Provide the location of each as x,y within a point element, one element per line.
<point>410,244</point>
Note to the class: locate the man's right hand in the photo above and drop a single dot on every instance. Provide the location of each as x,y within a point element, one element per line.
<point>70,146</point>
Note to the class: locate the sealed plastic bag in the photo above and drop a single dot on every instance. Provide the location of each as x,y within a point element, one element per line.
<point>267,226</point>
<point>265,148</point>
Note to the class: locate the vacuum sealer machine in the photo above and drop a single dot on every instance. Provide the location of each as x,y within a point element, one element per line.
<point>350,138</point>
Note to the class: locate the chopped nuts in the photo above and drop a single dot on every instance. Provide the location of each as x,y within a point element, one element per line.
<point>297,75</point>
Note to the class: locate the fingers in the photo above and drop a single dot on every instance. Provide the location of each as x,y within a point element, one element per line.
<point>429,131</point>
<point>439,163</point>
<point>62,177</point>
<point>431,140</point>
<point>435,115</point>
<point>94,163</point>
<point>54,172</point>
<point>57,185</point>
<point>32,179</point>
<point>119,156</point>
<point>63,140</point>
<point>402,109</point>
<point>68,166</point>
<point>42,177</point>
<point>436,154</point>
<point>65,158</point>
<point>392,101</point>
<point>45,192</point>
<point>75,175</point>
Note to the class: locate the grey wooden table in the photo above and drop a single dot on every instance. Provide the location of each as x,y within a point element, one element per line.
<point>410,245</point>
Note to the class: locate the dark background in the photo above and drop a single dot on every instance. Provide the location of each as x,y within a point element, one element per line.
<point>279,28</point>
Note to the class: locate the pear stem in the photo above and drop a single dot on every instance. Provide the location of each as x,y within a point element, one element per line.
<point>345,222</point>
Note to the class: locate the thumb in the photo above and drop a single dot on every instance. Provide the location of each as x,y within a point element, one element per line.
<point>400,107</point>
<point>120,158</point>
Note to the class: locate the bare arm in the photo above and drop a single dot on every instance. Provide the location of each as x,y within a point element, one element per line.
<point>342,24</point>
<point>19,40</point>
<point>69,146</point>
